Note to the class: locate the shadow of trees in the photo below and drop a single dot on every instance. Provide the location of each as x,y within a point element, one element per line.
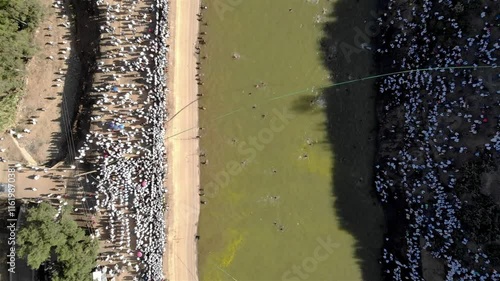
<point>352,126</point>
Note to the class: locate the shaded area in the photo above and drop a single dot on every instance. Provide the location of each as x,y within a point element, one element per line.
<point>21,272</point>
<point>413,250</point>
<point>351,126</point>
<point>75,106</point>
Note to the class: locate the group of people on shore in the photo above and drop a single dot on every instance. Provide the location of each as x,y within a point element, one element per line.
<point>125,145</point>
<point>434,121</point>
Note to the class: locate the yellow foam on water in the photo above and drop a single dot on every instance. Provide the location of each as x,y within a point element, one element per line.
<point>320,165</point>
<point>231,250</point>
<point>319,162</point>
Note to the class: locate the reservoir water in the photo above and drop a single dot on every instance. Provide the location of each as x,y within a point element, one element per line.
<point>269,178</point>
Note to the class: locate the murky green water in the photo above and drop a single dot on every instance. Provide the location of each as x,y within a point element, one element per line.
<point>268,180</point>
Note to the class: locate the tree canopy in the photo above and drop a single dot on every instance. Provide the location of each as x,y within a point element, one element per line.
<point>45,234</point>
<point>18,20</point>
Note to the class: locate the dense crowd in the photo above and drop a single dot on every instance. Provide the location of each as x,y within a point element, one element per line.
<point>445,117</point>
<point>126,141</point>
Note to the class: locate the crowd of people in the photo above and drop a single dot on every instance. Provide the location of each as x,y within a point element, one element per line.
<point>125,144</point>
<point>432,122</point>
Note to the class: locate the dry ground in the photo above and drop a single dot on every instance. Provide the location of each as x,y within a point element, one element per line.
<point>46,81</point>
<point>44,92</point>
<point>183,180</point>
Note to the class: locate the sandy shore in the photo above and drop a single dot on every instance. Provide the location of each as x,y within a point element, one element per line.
<point>183,173</point>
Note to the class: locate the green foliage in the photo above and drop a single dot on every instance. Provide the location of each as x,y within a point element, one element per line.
<point>39,235</point>
<point>18,19</point>
<point>77,256</point>
<point>42,235</point>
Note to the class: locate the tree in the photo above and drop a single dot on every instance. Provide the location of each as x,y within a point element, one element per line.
<point>78,255</point>
<point>39,235</point>
<point>44,233</point>
<point>18,20</point>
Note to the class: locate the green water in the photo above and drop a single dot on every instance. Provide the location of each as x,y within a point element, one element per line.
<point>268,206</point>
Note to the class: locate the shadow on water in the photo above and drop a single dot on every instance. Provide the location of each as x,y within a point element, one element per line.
<point>352,127</point>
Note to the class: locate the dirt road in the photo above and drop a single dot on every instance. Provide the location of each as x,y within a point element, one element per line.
<point>183,177</point>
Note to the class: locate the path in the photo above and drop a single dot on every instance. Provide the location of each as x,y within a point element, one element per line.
<point>27,157</point>
<point>183,177</point>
